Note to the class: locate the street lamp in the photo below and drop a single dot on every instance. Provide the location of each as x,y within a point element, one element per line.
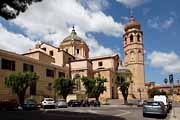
<point>140,90</point>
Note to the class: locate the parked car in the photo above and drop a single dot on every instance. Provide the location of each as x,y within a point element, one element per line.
<point>85,103</point>
<point>163,99</point>
<point>154,108</point>
<point>48,103</point>
<point>61,103</point>
<point>140,103</point>
<point>170,105</point>
<point>95,103</point>
<point>30,104</point>
<point>8,105</point>
<point>74,103</point>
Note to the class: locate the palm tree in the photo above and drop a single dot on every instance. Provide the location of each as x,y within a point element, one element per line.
<point>94,86</point>
<point>123,83</point>
<point>19,82</point>
<point>63,86</point>
<point>89,86</point>
<point>99,87</point>
<point>15,7</point>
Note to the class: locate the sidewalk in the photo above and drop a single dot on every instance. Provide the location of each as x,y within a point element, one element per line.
<point>119,106</point>
<point>175,114</point>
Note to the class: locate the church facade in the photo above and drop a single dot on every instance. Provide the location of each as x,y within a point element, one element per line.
<point>71,59</point>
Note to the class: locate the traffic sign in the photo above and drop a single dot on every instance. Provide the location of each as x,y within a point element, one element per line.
<point>171,79</point>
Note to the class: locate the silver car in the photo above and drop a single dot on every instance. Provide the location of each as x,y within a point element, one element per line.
<point>154,108</point>
<point>61,103</point>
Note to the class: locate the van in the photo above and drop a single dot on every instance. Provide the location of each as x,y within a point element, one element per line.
<point>162,98</point>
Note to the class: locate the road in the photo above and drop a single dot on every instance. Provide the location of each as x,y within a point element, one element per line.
<point>80,113</point>
<point>129,113</point>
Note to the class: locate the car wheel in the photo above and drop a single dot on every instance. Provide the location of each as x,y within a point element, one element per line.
<point>164,116</point>
<point>144,115</point>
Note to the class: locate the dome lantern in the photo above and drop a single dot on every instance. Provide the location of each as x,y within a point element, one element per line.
<point>132,24</point>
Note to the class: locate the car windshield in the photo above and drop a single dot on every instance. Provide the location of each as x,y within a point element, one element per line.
<point>61,100</point>
<point>49,99</point>
<point>29,102</point>
<point>153,103</point>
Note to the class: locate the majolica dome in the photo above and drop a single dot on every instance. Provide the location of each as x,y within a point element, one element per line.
<point>132,24</point>
<point>73,36</point>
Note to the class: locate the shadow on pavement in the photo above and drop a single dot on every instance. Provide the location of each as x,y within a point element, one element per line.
<point>53,115</point>
<point>156,116</point>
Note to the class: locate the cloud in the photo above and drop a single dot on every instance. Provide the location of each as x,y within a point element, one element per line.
<point>154,23</point>
<point>168,23</point>
<point>51,22</point>
<point>132,3</point>
<point>95,5</point>
<point>157,23</point>
<point>14,42</point>
<point>168,62</point>
<point>125,18</point>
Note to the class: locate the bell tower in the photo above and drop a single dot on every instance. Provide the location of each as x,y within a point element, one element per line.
<point>134,55</point>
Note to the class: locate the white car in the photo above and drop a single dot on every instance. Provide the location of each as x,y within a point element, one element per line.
<point>48,103</point>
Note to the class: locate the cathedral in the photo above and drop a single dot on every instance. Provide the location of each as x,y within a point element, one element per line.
<point>71,60</point>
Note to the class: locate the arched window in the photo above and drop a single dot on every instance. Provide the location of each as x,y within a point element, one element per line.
<point>125,53</point>
<point>77,85</point>
<point>131,38</point>
<point>140,57</point>
<point>125,40</point>
<point>132,55</point>
<point>138,38</point>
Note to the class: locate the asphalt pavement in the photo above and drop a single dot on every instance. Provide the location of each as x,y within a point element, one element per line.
<point>53,115</point>
<point>109,112</point>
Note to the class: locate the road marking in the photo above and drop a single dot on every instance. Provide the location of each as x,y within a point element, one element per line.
<point>122,114</point>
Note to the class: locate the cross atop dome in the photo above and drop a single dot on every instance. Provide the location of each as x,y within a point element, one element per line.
<point>131,15</point>
<point>73,33</point>
<point>132,23</point>
<point>73,28</point>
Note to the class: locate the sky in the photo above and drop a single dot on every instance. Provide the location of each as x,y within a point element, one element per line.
<point>101,24</point>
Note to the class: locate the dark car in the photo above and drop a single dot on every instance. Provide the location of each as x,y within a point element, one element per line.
<point>170,105</point>
<point>30,104</point>
<point>9,105</point>
<point>61,103</point>
<point>74,103</point>
<point>85,103</point>
<point>95,103</point>
<point>154,108</point>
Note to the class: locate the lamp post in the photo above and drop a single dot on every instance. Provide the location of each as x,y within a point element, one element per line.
<point>140,90</point>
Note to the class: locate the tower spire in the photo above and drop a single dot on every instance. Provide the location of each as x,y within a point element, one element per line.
<point>131,14</point>
<point>73,33</point>
<point>73,28</point>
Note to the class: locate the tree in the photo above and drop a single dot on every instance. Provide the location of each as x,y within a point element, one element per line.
<point>152,92</point>
<point>99,87</point>
<point>89,85</point>
<point>166,81</point>
<point>19,82</point>
<point>123,83</point>
<point>9,9</point>
<point>63,86</point>
<point>162,92</point>
<point>94,86</point>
